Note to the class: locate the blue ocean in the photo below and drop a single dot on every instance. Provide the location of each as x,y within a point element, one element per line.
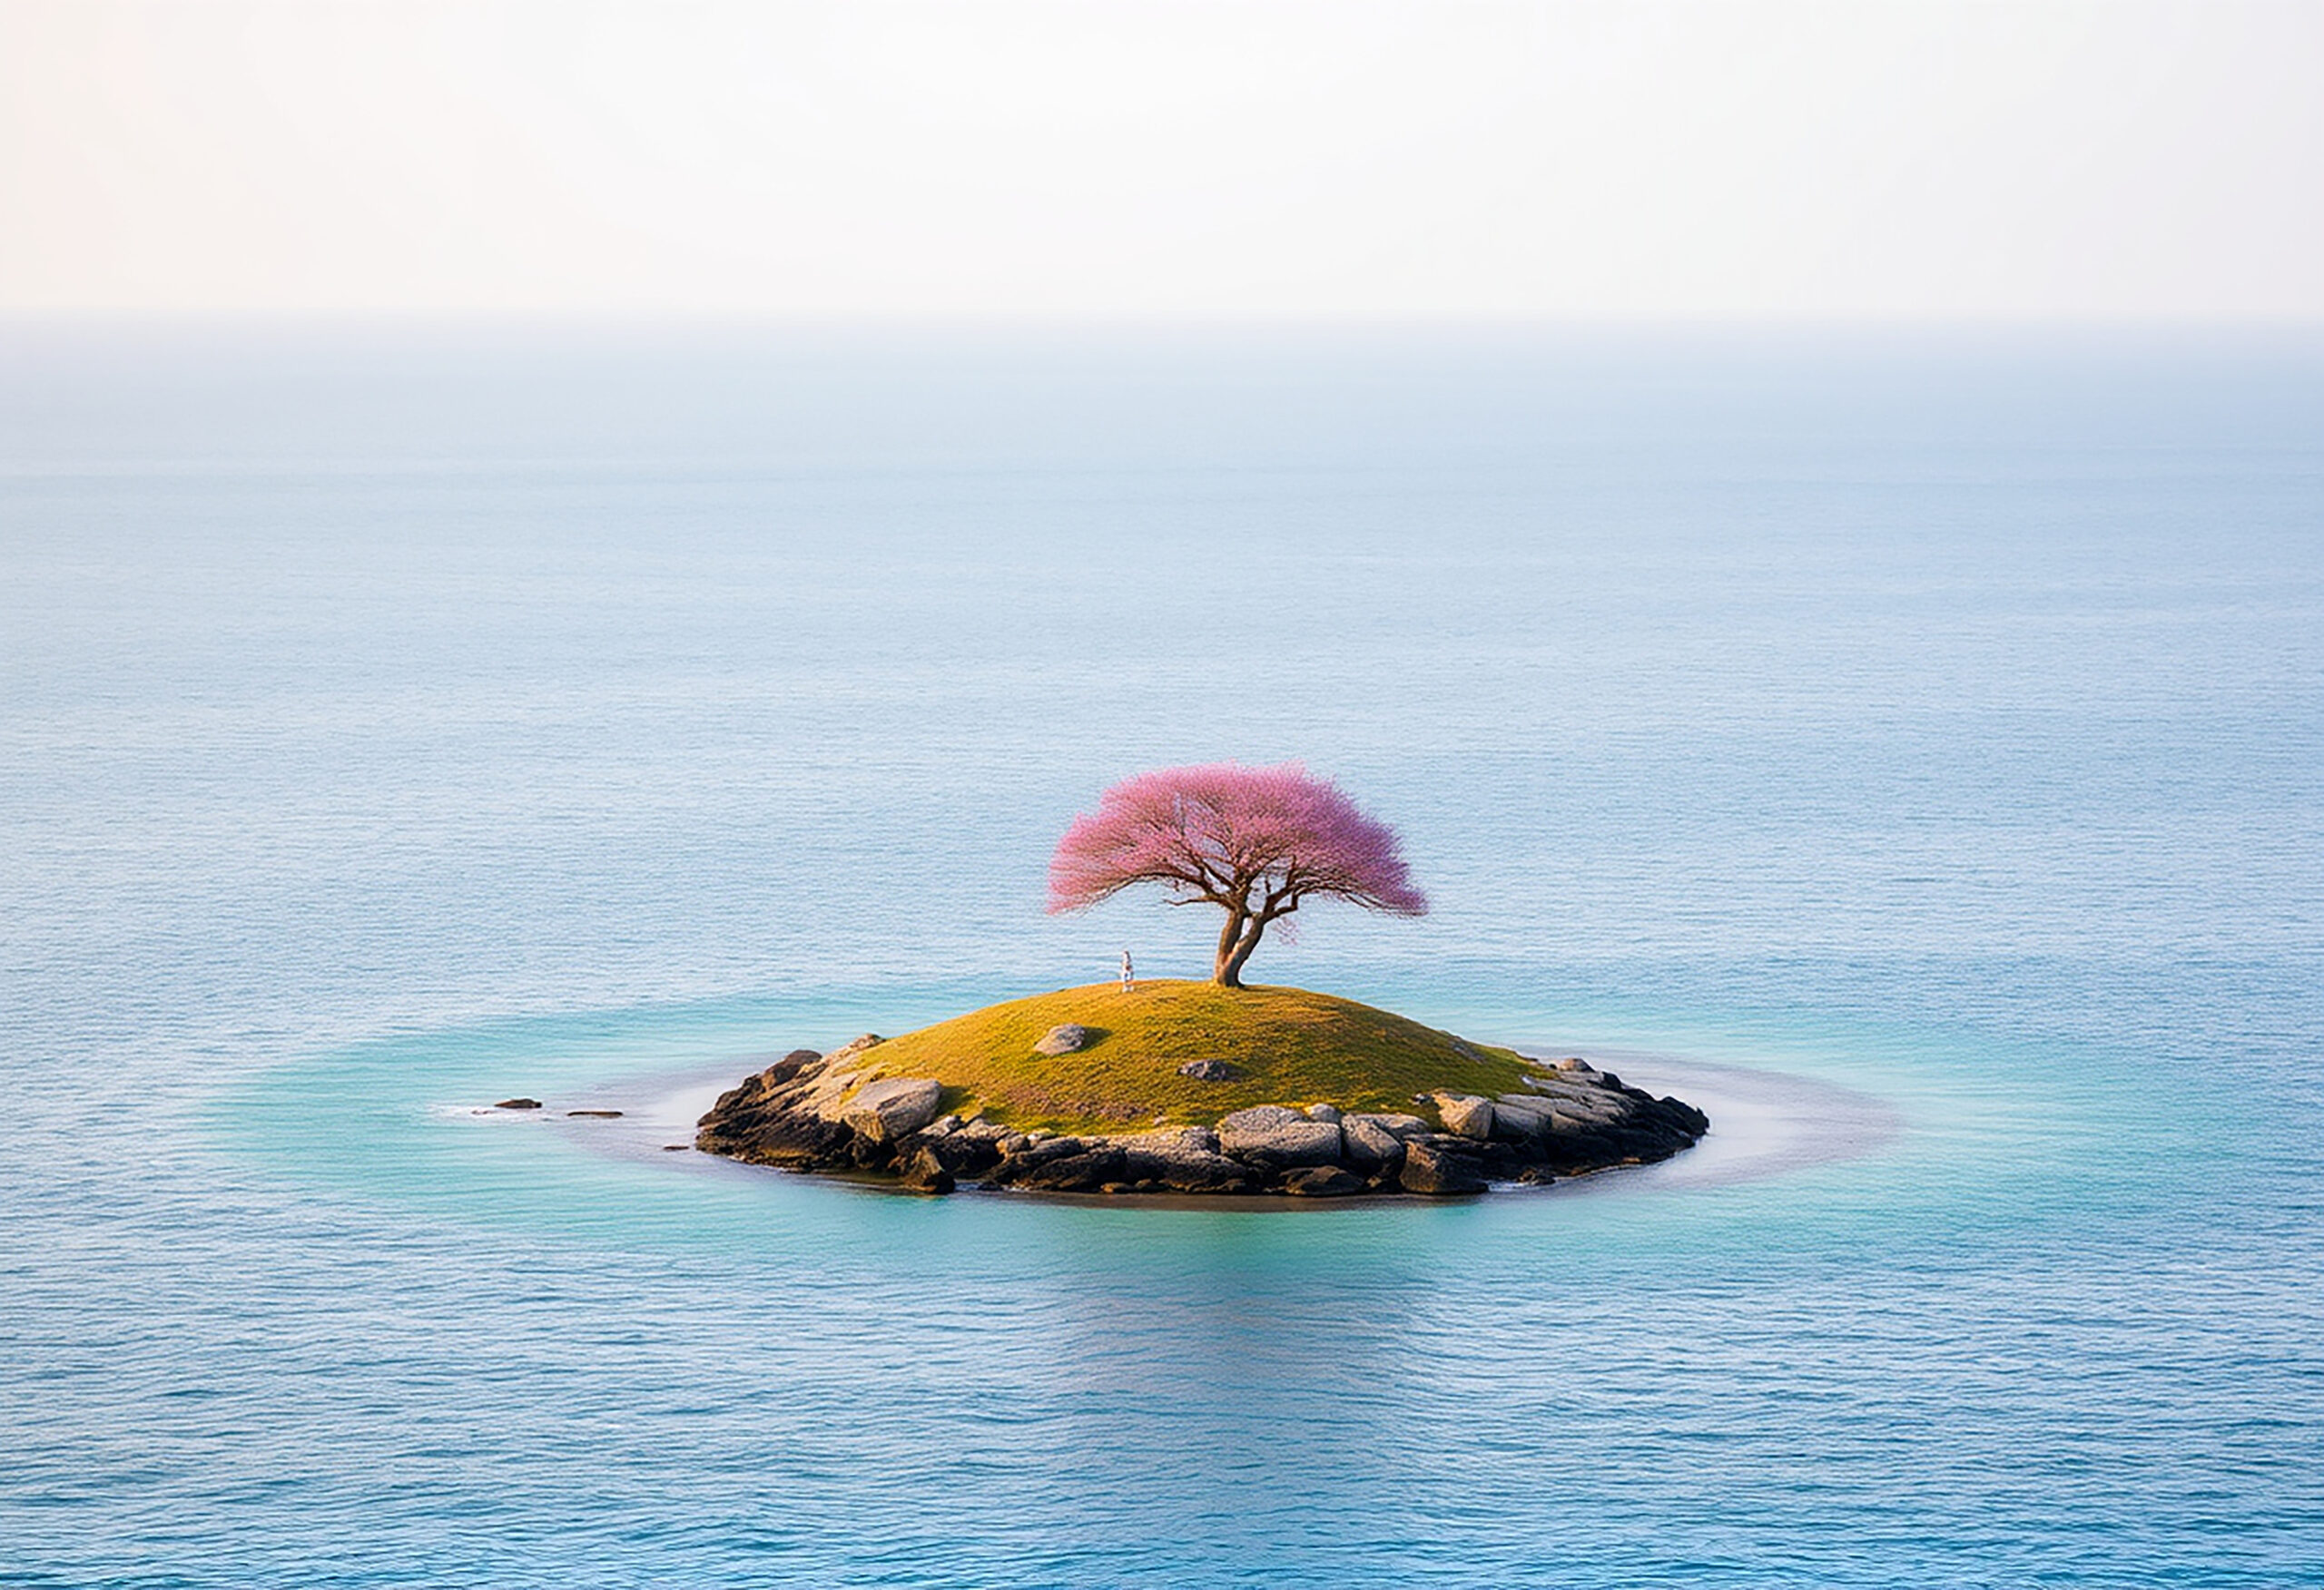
<point>1910,748</point>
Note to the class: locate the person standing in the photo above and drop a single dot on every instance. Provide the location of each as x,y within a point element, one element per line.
<point>1129,977</point>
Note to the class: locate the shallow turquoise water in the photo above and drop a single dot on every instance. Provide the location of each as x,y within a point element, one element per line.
<point>1915,751</point>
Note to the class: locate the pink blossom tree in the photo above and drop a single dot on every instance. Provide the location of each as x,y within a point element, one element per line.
<point>1257,843</point>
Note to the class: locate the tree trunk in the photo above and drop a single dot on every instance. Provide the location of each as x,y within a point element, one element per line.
<point>1224,965</point>
<point>1235,947</point>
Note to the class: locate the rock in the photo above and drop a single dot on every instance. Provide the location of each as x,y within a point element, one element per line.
<point>1571,1063</point>
<point>924,1172</point>
<point>1271,1134</point>
<point>597,1114</point>
<point>1064,1039</point>
<point>1518,1118</point>
<point>885,1111</point>
<point>1465,1114</point>
<point>1184,1160</point>
<point>847,1051</point>
<point>677,1147</point>
<point>1369,1142</point>
<point>1436,1173</point>
<point>1322,1182</point>
<point>517,1105</point>
<point>942,1127</point>
<point>1323,1112</point>
<point>1210,1071</point>
<point>1088,1171</point>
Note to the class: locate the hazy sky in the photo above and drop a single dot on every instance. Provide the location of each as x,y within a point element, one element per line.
<point>1178,158</point>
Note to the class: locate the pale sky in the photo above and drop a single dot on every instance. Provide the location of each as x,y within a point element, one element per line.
<point>1174,158</point>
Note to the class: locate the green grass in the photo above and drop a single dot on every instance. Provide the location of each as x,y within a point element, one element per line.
<point>1293,1047</point>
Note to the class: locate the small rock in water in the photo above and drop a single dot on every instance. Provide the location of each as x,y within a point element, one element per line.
<point>675,1147</point>
<point>517,1105</point>
<point>597,1114</point>
<point>1209,1071</point>
<point>1064,1039</point>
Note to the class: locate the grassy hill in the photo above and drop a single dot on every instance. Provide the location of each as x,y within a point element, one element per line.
<point>1291,1045</point>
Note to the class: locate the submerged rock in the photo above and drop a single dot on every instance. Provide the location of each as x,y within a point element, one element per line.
<point>517,1105</point>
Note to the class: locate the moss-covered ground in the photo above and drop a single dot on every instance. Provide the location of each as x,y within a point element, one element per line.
<point>1291,1046</point>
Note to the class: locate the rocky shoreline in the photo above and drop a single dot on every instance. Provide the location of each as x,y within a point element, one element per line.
<point>837,1113</point>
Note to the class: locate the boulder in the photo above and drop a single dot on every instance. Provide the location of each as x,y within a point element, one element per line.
<point>1369,1142</point>
<point>1274,1135</point>
<point>1190,1171</point>
<point>1064,1039</point>
<point>517,1105</point>
<point>1085,1171</point>
<point>885,1111</point>
<point>1437,1172</point>
<point>1323,1112</point>
<point>1209,1071</point>
<point>1322,1182</point>
<point>1519,1119</point>
<point>1465,1114</point>
<point>924,1172</point>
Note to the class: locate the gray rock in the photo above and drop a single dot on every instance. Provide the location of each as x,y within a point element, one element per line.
<point>1209,1071</point>
<point>1172,1140</point>
<point>1322,1182</point>
<point>1064,1039</point>
<point>885,1111</point>
<point>1436,1173</point>
<point>1465,1114</point>
<point>1323,1112</point>
<point>1185,1161</point>
<point>1281,1136</point>
<point>1520,1119</point>
<point>1369,1142</point>
<point>517,1105</point>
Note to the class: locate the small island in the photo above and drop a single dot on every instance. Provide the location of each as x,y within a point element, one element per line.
<point>1201,1088</point>
<point>1188,1087</point>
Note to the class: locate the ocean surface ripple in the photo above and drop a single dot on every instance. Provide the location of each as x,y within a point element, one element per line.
<point>1912,751</point>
